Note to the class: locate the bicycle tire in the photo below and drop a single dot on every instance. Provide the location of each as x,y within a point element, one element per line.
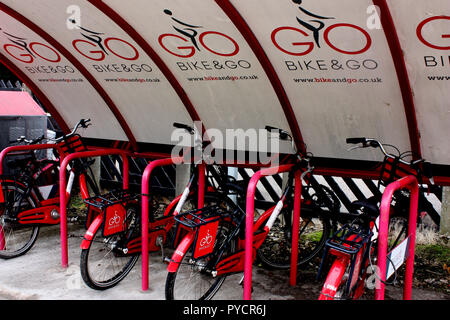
<point>275,251</point>
<point>18,239</point>
<point>101,265</point>
<point>176,288</point>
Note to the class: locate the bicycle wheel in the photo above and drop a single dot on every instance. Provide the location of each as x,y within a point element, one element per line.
<point>191,280</point>
<point>105,263</point>
<point>15,239</point>
<point>275,251</point>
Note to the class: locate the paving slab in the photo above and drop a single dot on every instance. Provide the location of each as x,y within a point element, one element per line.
<point>38,275</point>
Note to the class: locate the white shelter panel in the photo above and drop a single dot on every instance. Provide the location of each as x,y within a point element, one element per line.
<point>336,67</point>
<point>60,81</point>
<point>211,60</point>
<point>141,92</point>
<point>424,31</point>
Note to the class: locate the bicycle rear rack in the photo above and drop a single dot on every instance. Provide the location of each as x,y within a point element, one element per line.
<point>349,240</point>
<point>114,207</point>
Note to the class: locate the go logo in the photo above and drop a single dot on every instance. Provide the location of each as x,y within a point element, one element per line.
<point>96,47</point>
<point>301,47</point>
<point>27,52</point>
<point>434,21</point>
<point>190,40</point>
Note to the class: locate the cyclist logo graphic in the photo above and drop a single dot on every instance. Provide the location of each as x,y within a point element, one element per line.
<point>189,32</point>
<point>319,24</point>
<point>23,50</point>
<point>114,221</point>
<point>215,42</point>
<point>315,24</point>
<point>206,240</point>
<point>105,45</point>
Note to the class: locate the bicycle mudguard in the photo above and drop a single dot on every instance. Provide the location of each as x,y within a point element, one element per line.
<point>334,278</point>
<point>234,263</point>
<point>181,250</point>
<point>8,180</point>
<point>89,235</point>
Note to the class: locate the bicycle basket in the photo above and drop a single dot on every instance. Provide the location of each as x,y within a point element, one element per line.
<point>113,206</point>
<point>393,170</point>
<point>71,145</point>
<point>205,223</point>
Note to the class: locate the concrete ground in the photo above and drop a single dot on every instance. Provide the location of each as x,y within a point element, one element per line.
<point>38,275</point>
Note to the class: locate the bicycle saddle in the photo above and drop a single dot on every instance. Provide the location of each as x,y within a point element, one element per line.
<point>368,207</point>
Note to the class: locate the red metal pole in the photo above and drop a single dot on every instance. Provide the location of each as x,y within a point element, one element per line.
<point>250,206</point>
<point>145,188</point>
<point>296,227</point>
<point>407,289</point>
<point>23,148</point>
<point>62,192</point>
<point>409,182</point>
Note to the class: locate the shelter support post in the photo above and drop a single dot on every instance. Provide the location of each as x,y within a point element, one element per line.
<point>445,211</point>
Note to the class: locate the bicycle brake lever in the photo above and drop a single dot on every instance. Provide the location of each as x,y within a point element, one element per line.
<point>310,169</point>
<point>353,148</point>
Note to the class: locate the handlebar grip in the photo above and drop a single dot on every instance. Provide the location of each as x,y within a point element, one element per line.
<point>37,140</point>
<point>283,134</point>
<point>269,128</point>
<point>356,140</point>
<point>184,126</point>
<point>85,122</point>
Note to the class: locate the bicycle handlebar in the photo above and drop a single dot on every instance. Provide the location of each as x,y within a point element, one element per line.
<point>33,141</point>
<point>83,123</point>
<point>284,135</point>
<point>186,127</point>
<point>368,142</point>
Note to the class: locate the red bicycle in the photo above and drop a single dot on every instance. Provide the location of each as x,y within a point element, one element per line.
<point>30,199</point>
<point>354,245</point>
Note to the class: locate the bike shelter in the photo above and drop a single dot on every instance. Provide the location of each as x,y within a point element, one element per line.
<point>135,70</point>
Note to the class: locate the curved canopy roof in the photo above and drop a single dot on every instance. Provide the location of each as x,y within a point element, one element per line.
<point>323,70</point>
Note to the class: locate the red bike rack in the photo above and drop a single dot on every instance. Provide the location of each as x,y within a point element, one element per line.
<point>7,150</point>
<point>410,183</point>
<point>145,210</point>
<point>62,189</point>
<point>248,259</point>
